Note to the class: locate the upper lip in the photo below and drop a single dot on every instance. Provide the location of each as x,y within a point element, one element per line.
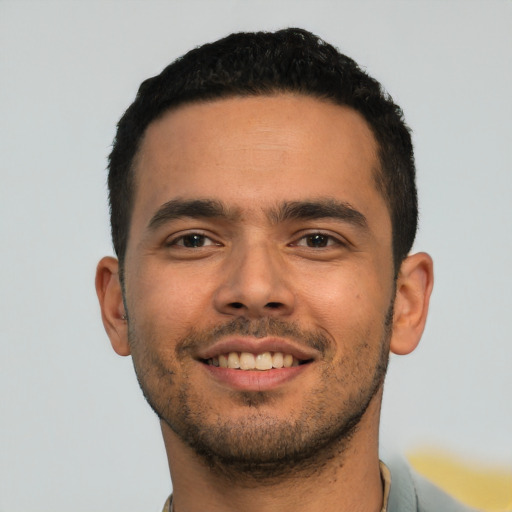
<point>257,346</point>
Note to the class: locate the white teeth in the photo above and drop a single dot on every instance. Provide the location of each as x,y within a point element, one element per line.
<point>264,361</point>
<point>248,361</point>
<point>277,360</point>
<point>233,360</point>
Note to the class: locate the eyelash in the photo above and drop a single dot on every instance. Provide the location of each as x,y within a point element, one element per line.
<point>329,240</point>
<point>176,241</point>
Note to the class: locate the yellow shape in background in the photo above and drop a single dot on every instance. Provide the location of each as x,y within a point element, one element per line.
<point>480,486</point>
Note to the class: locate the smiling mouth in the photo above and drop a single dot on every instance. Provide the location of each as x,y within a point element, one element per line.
<point>248,361</point>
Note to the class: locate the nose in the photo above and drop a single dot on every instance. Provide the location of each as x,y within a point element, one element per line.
<point>255,284</point>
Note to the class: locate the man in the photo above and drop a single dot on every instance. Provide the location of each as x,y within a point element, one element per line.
<point>263,207</point>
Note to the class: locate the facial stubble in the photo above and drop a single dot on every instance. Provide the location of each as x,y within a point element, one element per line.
<point>259,446</point>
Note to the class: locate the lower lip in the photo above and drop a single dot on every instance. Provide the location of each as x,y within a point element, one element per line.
<point>254,380</point>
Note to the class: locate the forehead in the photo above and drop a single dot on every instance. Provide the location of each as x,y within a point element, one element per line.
<point>252,151</point>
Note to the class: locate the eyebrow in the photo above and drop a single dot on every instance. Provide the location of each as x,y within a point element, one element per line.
<point>194,209</point>
<point>327,208</point>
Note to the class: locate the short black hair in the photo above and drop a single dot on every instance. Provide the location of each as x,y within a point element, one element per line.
<point>265,63</point>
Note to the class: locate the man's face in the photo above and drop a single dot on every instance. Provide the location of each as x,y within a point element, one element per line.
<point>258,237</point>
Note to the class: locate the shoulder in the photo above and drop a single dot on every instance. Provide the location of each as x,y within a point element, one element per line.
<point>412,493</point>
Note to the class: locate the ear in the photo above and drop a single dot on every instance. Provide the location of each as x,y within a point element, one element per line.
<point>108,289</point>
<point>413,289</point>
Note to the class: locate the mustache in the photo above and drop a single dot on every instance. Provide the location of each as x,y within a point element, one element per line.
<point>261,328</point>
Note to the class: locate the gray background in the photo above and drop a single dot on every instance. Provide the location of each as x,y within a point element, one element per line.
<point>75,432</point>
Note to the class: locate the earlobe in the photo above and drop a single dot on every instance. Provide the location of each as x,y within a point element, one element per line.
<point>414,286</point>
<point>108,289</point>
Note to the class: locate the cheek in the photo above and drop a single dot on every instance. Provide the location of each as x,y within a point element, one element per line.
<point>167,304</point>
<point>346,303</point>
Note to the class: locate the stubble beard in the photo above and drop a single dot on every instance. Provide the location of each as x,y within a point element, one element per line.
<point>259,448</point>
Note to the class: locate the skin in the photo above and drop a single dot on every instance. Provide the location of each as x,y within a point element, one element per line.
<point>328,276</point>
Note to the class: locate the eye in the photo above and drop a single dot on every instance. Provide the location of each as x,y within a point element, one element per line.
<point>318,241</point>
<point>192,241</point>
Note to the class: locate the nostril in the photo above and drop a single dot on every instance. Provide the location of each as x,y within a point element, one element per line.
<point>273,305</point>
<point>237,305</point>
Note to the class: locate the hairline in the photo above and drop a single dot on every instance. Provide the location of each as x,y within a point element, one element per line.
<point>377,171</point>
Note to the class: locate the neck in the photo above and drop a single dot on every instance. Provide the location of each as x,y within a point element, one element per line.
<point>348,479</point>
